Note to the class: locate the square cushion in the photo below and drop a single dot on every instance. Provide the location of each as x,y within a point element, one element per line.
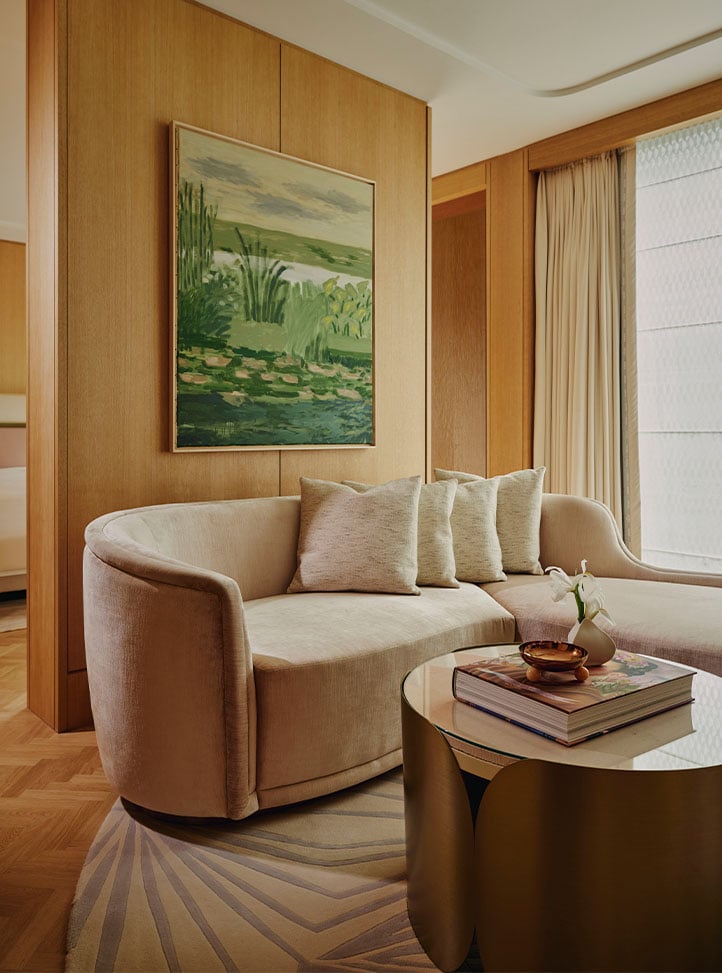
<point>436,565</point>
<point>518,515</point>
<point>473,525</point>
<point>350,541</point>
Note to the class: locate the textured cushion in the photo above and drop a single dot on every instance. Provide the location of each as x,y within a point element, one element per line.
<point>518,515</point>
<point>436,565</point>
<point>353,541</point>
<point>328,670</point>
<point>473,525</point>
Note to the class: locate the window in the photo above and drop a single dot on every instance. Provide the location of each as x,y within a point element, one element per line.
<point>679,346</point>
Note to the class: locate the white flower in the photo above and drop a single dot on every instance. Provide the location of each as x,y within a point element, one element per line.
<point>588,587</point>
<point>585,588</point>
<point>594,605</point>
<point>561,583</point>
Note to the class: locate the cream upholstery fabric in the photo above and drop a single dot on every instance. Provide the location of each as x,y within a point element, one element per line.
<point>176,657</point>
<point>352,541</point>
<point>252,541</point>
<point>518,513</point>
<point>171,682</point>
<point>672,621</point>
<point>573,528</point>
<point>436,565</point>
<point>473,526</point>
<point>328,667</point>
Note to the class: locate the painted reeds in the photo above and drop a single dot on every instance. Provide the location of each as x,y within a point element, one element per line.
<point>263,289</point>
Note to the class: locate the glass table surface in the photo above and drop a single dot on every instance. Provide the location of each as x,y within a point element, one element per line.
<point>683,738</point>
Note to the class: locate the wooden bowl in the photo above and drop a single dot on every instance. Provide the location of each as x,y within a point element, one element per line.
<point>549,656</point>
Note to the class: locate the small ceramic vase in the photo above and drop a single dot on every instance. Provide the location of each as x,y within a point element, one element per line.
<point>598,644</point>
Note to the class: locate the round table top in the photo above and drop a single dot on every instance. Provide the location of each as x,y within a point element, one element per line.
<point>683,738</point>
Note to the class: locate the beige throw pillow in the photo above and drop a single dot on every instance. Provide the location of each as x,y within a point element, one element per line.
<point>353,541</point>
<point>436,565</point>
<point>473,525</point>
<point>518,516</point>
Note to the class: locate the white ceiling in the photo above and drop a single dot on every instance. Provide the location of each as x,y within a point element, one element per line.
<point>490,69</point>
<point>481,64</point>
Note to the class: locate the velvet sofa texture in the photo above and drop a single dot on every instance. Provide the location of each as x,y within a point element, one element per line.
<point>216,693</point>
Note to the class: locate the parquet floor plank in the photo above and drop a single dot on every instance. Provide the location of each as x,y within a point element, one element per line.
<point>53,798</point>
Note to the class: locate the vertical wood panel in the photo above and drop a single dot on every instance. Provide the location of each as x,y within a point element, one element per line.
<point>134,67</point>
<point>12,317</point>
<point>78,712</point>
<point>458,373</point>
<point>429,470</point>
<point>335,117</point>
<point>110,77</point>
<point>506,333</point>
<point>529,314</point>
<point>46,340</point>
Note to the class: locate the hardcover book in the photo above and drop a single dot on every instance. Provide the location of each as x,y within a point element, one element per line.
<point>628,688</point>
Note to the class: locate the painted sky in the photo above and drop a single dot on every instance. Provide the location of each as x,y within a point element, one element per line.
<point>257,187</point>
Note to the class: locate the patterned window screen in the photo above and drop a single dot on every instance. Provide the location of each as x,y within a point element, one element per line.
<point>679,346</point>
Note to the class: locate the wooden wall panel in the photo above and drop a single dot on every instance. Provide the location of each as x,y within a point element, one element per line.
<point>458,340</point>
<point>627,127</point>
<point>429,470</point>
<point>46,267</point>
<point>509,321</point>
<point>106,79</point>
<point>343,120</point>
<point>12,317</point>
<point>528,190</point>
<point>133,67</point>
<point>460,182</point>
<point>78,713</point>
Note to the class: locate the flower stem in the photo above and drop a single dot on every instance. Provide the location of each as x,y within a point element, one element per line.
<point>580,605</point>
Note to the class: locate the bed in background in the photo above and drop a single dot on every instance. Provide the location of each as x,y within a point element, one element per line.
<point>12,493</point>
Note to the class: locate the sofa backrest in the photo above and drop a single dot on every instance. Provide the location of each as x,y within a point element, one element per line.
<point>252,541</point>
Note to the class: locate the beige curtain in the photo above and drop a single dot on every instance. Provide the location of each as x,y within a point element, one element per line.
<point>577,379</point>
<point>631,499</point>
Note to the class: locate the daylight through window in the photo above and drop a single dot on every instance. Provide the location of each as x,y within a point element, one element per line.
<point>679,346</point>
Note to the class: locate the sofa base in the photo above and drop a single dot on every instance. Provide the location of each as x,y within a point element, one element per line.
<point>307,789</point>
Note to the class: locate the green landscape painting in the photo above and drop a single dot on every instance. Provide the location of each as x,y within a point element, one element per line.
<point>273,322</point>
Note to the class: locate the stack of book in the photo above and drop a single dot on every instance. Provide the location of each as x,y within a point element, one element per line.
<point>628,688</point>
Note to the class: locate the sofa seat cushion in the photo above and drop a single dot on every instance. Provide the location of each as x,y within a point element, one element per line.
<point>679,622</point>
<point>328,668</point>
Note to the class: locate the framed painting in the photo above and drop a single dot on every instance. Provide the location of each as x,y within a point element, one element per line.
<point>272,299</point>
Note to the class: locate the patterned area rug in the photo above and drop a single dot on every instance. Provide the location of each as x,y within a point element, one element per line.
<point>320,886</point>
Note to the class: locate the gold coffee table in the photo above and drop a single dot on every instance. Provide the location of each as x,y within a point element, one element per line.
<point>602,856</point>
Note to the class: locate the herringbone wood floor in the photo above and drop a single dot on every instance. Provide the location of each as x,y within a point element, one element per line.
<point>53,798</point>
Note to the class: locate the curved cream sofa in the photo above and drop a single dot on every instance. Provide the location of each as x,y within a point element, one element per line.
<point>216,693</point>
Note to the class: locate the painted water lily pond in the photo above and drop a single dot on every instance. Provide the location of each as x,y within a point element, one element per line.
<point>273,310</point>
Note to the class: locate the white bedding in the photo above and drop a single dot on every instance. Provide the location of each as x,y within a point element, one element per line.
<point>12,527</point>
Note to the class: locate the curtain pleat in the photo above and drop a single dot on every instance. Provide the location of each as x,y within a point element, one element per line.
<point>631,496</point>
<point>577,424</point>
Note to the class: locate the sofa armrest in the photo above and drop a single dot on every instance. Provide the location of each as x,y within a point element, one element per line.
<point>171,681</point>
<point>573,528</point>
